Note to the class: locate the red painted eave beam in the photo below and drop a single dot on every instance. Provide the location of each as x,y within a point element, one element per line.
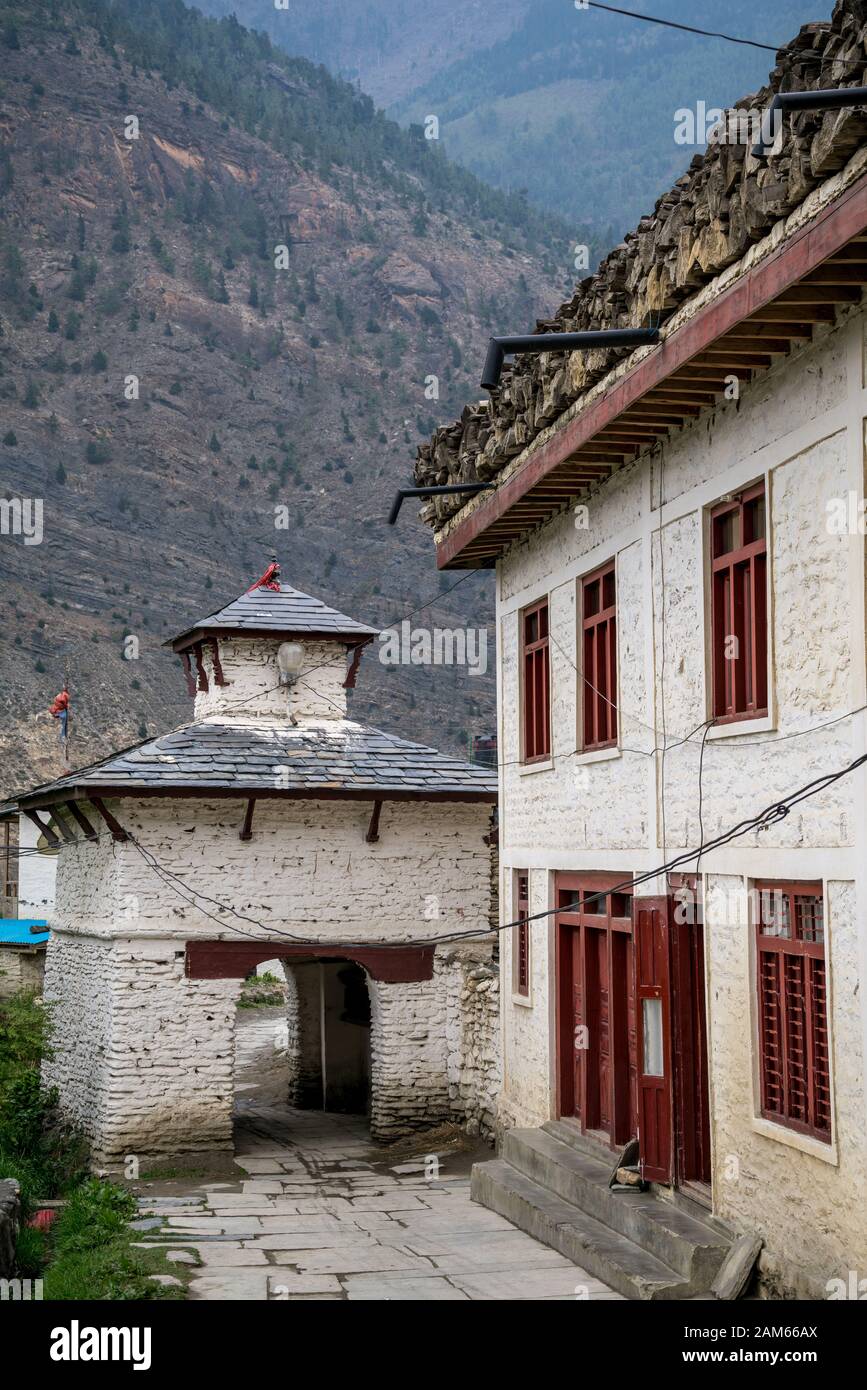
<point>803,253</point>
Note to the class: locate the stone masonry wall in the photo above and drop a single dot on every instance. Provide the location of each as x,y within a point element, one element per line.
<point>143,1057</point>
<point>21,969</point>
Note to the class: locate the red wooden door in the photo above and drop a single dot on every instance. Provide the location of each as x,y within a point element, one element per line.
<point>599,1049</point>
<point>652,996</point>
<point>597,1052</point>
<point>689,1033</point>
<point>577,1027</point>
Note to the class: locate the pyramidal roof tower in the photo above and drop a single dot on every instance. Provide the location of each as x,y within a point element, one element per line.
<point>269,674</point>
<point>274,652</point>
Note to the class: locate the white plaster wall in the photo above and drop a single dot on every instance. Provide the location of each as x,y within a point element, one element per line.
<point>805,1198</point>
<point>253,688</point>
<point>36,873</point>
<point>801,426</point>
<point>308,871</point>
<point>527,1097</point>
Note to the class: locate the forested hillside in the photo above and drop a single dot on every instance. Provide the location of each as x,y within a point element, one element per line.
<point>576,106</point>
<point>226,285</point>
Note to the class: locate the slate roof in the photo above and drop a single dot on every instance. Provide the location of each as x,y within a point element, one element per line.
<point>288,612</point>
<point>338,759</point>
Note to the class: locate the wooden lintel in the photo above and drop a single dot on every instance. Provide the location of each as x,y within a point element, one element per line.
<point>81,819</point>
<point>233,960</point>
<point>246,831</point>
<point>117,831</point>
<point>372,836</point>
<point>53,840</point>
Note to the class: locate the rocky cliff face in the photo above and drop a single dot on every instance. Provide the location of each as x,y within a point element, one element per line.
<point>180,396</point>
<point>725,203</point>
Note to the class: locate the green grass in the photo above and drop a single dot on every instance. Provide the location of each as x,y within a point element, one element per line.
<point>91,1251</point>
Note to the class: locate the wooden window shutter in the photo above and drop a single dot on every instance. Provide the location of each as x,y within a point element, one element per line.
<point>739,621</point>
<point>521,936</point>
<point>599,651</point>
<point>536,683</point>
<point>793,1017</point>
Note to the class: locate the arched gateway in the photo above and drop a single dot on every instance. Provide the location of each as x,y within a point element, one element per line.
<point>271,826</point>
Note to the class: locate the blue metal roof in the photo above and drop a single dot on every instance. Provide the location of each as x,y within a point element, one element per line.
<point>15,931</point>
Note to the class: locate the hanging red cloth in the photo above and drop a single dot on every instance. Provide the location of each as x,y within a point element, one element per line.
<point>61,703</point>
<point>269,580</point>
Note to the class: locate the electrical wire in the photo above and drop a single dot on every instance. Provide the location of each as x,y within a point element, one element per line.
<point>773,813</point>
<point>687,28</point>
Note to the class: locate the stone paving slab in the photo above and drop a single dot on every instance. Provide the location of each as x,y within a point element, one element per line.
<point>426,1288</point>
<point>317,1215</point>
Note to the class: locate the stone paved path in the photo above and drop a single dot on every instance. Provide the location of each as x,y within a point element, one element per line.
<point>325,1214</point>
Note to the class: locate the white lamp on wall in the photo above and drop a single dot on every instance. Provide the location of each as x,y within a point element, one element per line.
<point>290,656</point>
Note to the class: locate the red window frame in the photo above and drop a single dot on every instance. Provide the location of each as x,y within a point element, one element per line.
<point>521,936</point>
<point>791,979</point>
<point>739,607</point>
<point>536,683</point>
<point>599,648</point>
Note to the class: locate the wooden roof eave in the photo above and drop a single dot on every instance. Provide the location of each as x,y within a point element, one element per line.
<point>766,311</point>
<point>37,801</point>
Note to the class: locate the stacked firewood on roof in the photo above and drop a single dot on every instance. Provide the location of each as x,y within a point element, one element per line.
<point>722,205</point>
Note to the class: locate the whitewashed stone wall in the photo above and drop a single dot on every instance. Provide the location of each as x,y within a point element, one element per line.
<point>163,1077</point>
<point>804,1197</point>
<point>253,689</point>
<point>801,427</point>
<point>143,1057</point>
<point>21,968</point>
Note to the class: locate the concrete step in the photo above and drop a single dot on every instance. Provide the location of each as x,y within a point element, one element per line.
<point>611,1257</point>
<point>692,1249</point>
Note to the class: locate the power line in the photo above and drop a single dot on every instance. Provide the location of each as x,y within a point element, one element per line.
<point>771,815</point>
<point>687,28</point>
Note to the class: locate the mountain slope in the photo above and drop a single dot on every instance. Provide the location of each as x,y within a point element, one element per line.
<point>596,93</point>
<point>180,406</point>
<point>390,47</point>
<point>575,106</point>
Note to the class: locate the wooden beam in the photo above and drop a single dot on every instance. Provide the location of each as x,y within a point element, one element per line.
<point>64,829</point>
<point>45,830</point>
<point>233,960</point>
<point>372,836</point>
<point>246,831</point>
<point>357,653</point>
<point>117,831</point>
<point>78,815</point>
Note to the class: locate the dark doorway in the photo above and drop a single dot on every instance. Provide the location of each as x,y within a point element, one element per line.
<point>328,1024</point>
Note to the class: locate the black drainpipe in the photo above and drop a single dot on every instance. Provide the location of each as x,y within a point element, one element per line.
<point>823,99</point>
<point>405,492</point>
<point>560,342</point>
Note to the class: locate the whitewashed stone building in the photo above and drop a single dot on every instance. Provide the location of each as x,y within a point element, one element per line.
<point>679,542</point>
<point>271,827</point>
